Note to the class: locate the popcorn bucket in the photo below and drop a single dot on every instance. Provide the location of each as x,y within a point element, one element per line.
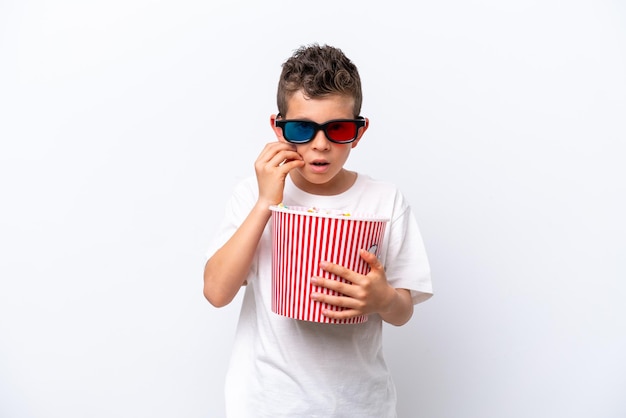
<point>301,239</point>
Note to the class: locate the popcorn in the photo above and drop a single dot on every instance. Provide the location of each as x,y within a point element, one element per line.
<point>318,210</point>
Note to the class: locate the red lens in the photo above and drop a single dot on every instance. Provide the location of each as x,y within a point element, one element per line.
<point>341,131</point>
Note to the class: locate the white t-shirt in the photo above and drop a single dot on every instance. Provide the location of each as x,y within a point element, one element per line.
<point>283,367</point>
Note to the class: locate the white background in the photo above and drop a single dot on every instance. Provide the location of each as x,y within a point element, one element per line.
<point>125,124</point>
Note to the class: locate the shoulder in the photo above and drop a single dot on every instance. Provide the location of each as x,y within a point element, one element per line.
<point>245,187</point>
<point>246,183</point>
<point>243,196</point>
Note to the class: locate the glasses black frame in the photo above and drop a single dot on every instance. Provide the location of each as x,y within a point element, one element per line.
<point>359,122</point>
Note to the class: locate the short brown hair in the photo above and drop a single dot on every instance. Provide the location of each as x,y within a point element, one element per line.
<point>319,71</point>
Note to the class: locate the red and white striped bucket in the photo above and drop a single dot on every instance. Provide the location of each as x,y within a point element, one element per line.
<point>301,239</point>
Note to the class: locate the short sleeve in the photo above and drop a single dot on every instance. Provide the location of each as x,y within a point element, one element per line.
<point>406,257</point>
<point>237,208</point>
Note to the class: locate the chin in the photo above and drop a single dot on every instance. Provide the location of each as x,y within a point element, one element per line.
<point>319,179</point>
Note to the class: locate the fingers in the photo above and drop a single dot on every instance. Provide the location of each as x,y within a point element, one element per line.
<point>273,164</point>
<point>338,286</point>
<point>371,259</point>
<point>350,306</point>
<point>340,315</point>
<point>357,294</point>
<point>278,154</point>
<point>338,270</point>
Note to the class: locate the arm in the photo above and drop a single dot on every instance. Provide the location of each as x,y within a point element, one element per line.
<point>366,294</point>
<point>226,271</point>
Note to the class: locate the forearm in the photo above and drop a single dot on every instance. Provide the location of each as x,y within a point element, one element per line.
<point>226,271</point>
<point>400,309</point>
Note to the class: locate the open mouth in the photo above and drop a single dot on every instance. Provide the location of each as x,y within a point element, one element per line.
<point>319,163</point>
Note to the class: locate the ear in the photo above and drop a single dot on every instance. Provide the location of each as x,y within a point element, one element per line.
<point>277,131</point>
<point>361,132</point>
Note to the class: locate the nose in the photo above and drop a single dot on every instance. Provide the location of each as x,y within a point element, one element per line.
<point>319,141</point>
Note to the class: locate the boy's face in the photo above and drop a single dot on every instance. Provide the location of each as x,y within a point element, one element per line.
<point>323,172</point>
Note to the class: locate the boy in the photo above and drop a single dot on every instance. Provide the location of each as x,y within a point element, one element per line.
<point>283,367</point>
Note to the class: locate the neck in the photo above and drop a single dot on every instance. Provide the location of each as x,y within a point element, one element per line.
<point>339,184</point>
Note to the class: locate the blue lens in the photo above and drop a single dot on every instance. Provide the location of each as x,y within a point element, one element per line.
<point>299,131</point>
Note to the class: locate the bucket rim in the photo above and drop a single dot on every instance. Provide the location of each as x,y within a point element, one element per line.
<point>328,213</point>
